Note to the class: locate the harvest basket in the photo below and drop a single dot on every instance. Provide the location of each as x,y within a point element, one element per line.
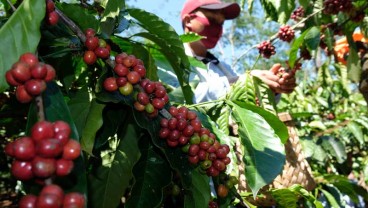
<point>296,169</point>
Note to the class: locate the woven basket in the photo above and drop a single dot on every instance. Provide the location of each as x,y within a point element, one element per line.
<point>296,169</point>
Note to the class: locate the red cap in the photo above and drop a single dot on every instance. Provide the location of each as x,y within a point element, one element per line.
<point>231,10</point>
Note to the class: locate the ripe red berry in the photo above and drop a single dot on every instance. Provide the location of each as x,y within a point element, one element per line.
<point>188,131</point>
<point>172,123</point>
<point>35,87</point>
<point>158,103</point>
<point>61,126</point>
<point>51,73</point>
<point>64,167</point>
<point>129,61</point>
<point>43,167</point>
<point>90,32</point>
<point>74,199</point>
<point>133,77</point>
<point>24,149</point>
<point>102,52</point>
<point>266,49</point>
<point>193,159</point>
<point>28,201</point>
<point>221,153</point>
<point>52,189</point>
<point>110,84</point>
<point>10,79</point>
<point>49,200</point>
<point>150,87</point>
<point>22,95</point>
<point>49,148</point>
<point>38,71</point>
<point>120,57</point>
<point>211,171</point>
<point>22,170</point>
<point>193,150</point>
<point>72,150</point>
<point>183,140</point>
<point>121,70</point>
<point>53,18</point>
<point>29,58</point>
<point>160,92</point>
<point>89,57</point>
<point>42,130</point>
<point>174,135</point>
<point>91,43</point>
<point>197,124</point>
<point>121,81</point>
<point>21,72</point>
<point>219,165</point>
<point>50,6</point>
<point>143,98</point>
<point>141,70</point>
<point>9,150</point>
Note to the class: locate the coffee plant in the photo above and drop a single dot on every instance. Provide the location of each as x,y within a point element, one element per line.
<point>89,119</point>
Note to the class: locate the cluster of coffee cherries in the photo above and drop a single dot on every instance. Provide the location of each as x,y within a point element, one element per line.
<point>286,33</point>
<point>96,48</point>
<point>52,17</point>
<point>297,14</point>
<point>130,76</point>
<point>29,76</point>
<point>48,152</point>
<point>53,195</point>
<point>336,6</point>
<point>185,129</point>
<point>227,183</point>
<point>266,49</point>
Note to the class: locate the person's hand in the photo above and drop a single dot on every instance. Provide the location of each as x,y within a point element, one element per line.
<point>277,78</point>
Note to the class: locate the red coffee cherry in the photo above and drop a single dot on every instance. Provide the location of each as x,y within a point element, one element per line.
<point>222,191</point>
<point>35,86</point>
<point>121,70</point>
<point>64,167</point>
<point>103,53</point>
<point>22,95</point>
<point>74,200</point>
<point>72,150</point>
<point>51,73</point>
<point>43,167</point>
<point>219,165</point>
<point>211,171</point>
<point>172,143</point>
<point>9,150</point>
<point>193,150</point>
<point>133,77</point>
<point>160,92</point>
<point>10,79</point>
<point>193,159</point>
<point>49,200</point>
<point>53,18</point>
<point>121,81</point>
<point>42,130</point>
<point>143,98</point>
<point>38,71</point>
<point>21,72</point>
<point>29,58</point>
<point>139,107</point>
<point>158,103</point>
<point>28,201</point>
<point>89,57</point>
<point>110,84</point>
<point>50,6</point>
<point>90,32</point>
<point>183,140</point>
<point>150,87</point>
<point>52,189</point>
<point>120,57</point>
<point>24,149</point>
<point>61,126</point>
<point>49,148</point>
<point>91,43</point>
<point>129,61</point>
<point>140,69</point>
<point>22,170</point>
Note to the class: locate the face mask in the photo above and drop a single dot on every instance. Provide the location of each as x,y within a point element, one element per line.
<point>213,32</point>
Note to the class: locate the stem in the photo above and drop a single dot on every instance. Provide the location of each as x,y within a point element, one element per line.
<point>254,65</point>
<point>71,25</point>
<point>11,5</point>
<point>40,109</point>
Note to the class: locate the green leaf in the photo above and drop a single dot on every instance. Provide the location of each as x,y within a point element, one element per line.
<point>152,173</point>
<point>108,181</point>
<point>285,198</point>
<point>79,105</point>
<point>278,126</point>
<point>20,34</point>
<point>149,62</point>
<point>356,130</point>
<point>294,48</point>
<point>190,37</point>
<point>335,147</point>
<point>312,38</point>
<point>330,198</point>
<point>269,8</point>
<point>109,17</point>
<point>223,119</point>
<point>200,191</point>
<point>56,109</point>
<point>93,124</point>
<point>264,154</point>
<point>170,44</point>
<point>81,16</point>
<point>284,9</point>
